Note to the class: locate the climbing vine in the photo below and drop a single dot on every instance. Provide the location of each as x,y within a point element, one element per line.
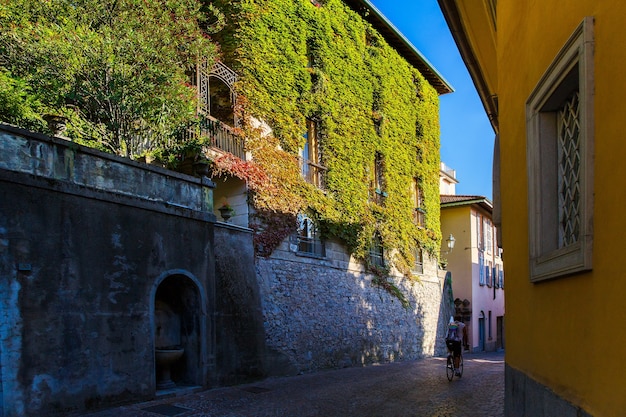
<point>299,60</point>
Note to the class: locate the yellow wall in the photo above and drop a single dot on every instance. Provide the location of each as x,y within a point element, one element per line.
<point>565,332</point>
<point>457,220</point>
<point>482,36</point>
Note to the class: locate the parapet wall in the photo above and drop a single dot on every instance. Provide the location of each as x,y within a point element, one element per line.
<point>86,238</point>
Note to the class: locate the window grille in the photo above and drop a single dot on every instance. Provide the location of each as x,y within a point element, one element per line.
<point>569,172</point>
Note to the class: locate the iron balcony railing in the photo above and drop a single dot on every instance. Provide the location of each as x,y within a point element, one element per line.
<point>220,135</point>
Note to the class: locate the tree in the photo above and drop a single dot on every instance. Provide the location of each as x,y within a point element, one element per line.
<point>118,69</point>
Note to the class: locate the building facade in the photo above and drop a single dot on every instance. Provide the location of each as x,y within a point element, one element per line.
<point>549,87</point>
<point>319,129</point>
<point>477,270</point>
<point>338,175</point>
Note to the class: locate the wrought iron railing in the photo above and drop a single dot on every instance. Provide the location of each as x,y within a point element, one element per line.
<point>220,136</point>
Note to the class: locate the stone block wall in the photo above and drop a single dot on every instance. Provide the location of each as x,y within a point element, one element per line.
<point>327,314</point>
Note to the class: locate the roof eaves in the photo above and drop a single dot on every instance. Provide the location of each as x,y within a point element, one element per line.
<point>397,40</point>
<point>452,16</point>
<point>470,200</point>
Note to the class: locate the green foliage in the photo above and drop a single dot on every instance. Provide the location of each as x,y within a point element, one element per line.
<point>17,104</point>
<point>116,68</point>
<point>298,60</point>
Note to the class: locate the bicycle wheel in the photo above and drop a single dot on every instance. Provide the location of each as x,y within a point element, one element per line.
<point>450,368</point>
<point>460,366</point>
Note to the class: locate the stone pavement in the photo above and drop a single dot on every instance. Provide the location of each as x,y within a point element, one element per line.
<point>412,388</point>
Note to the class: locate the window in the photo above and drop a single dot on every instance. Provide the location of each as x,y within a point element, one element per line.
<point>481,269</point>
<point>560,161</point>
<point>308,237</point>
<point>488,268</point>
<point>418,203</point>
<point>496,276</point>
<point>501,278</point>
<point>480,234</point>
<point>376,255</point>
<point>378,185</point>
<point>488,236</point>
<point>418,265</point>
<point>311,156</point>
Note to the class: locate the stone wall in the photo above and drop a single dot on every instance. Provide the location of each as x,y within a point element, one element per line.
<point>327,313</point>
<point>86,239</point>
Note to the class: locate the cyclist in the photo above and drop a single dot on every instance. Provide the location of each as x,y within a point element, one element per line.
<point>453,341</point>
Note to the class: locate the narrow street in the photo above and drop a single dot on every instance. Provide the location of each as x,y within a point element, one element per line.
<point>415,388</point>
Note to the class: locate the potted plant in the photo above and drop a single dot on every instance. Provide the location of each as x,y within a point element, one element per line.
<point>226,211</point>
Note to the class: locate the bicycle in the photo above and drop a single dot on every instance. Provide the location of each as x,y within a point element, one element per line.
<point>450,371</point>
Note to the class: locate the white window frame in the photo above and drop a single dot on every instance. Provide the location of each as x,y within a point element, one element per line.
<point>548,257</point>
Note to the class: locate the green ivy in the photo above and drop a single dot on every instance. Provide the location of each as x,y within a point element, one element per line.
<point>297,59</point>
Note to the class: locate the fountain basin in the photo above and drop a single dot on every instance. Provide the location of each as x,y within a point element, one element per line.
<point>165,358</point>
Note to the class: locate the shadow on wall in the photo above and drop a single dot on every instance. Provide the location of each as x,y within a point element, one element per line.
<point>240,351</point>
<point>446,311</point>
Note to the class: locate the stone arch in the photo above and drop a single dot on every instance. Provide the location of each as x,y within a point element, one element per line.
<point>179,296</point>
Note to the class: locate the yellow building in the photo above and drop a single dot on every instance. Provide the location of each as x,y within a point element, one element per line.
<point>550,75</point>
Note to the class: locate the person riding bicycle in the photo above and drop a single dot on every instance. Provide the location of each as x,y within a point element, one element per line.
<point>453,341</point>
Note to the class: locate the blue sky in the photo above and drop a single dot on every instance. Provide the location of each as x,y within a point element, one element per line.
<point>466,134</point>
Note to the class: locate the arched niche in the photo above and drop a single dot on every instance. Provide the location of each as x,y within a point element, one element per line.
<point>178,312</point>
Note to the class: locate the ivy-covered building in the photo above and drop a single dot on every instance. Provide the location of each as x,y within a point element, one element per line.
<point>323,129</point>
<point>319,129</point>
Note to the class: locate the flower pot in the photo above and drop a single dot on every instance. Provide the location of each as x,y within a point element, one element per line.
<point>226,213</point>
<point>56,123</point>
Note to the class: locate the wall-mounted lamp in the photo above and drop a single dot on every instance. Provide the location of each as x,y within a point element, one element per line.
<point>451,241</point>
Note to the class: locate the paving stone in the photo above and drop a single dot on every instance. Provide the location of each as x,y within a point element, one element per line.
<point>409,388</point>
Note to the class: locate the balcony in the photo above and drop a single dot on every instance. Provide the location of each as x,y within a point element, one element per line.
<point>220,136</point>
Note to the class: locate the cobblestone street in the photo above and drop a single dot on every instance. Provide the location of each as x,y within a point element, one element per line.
<point>414,388</point>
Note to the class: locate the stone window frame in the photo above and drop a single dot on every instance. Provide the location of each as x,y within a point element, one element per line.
<point>570,72</point>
